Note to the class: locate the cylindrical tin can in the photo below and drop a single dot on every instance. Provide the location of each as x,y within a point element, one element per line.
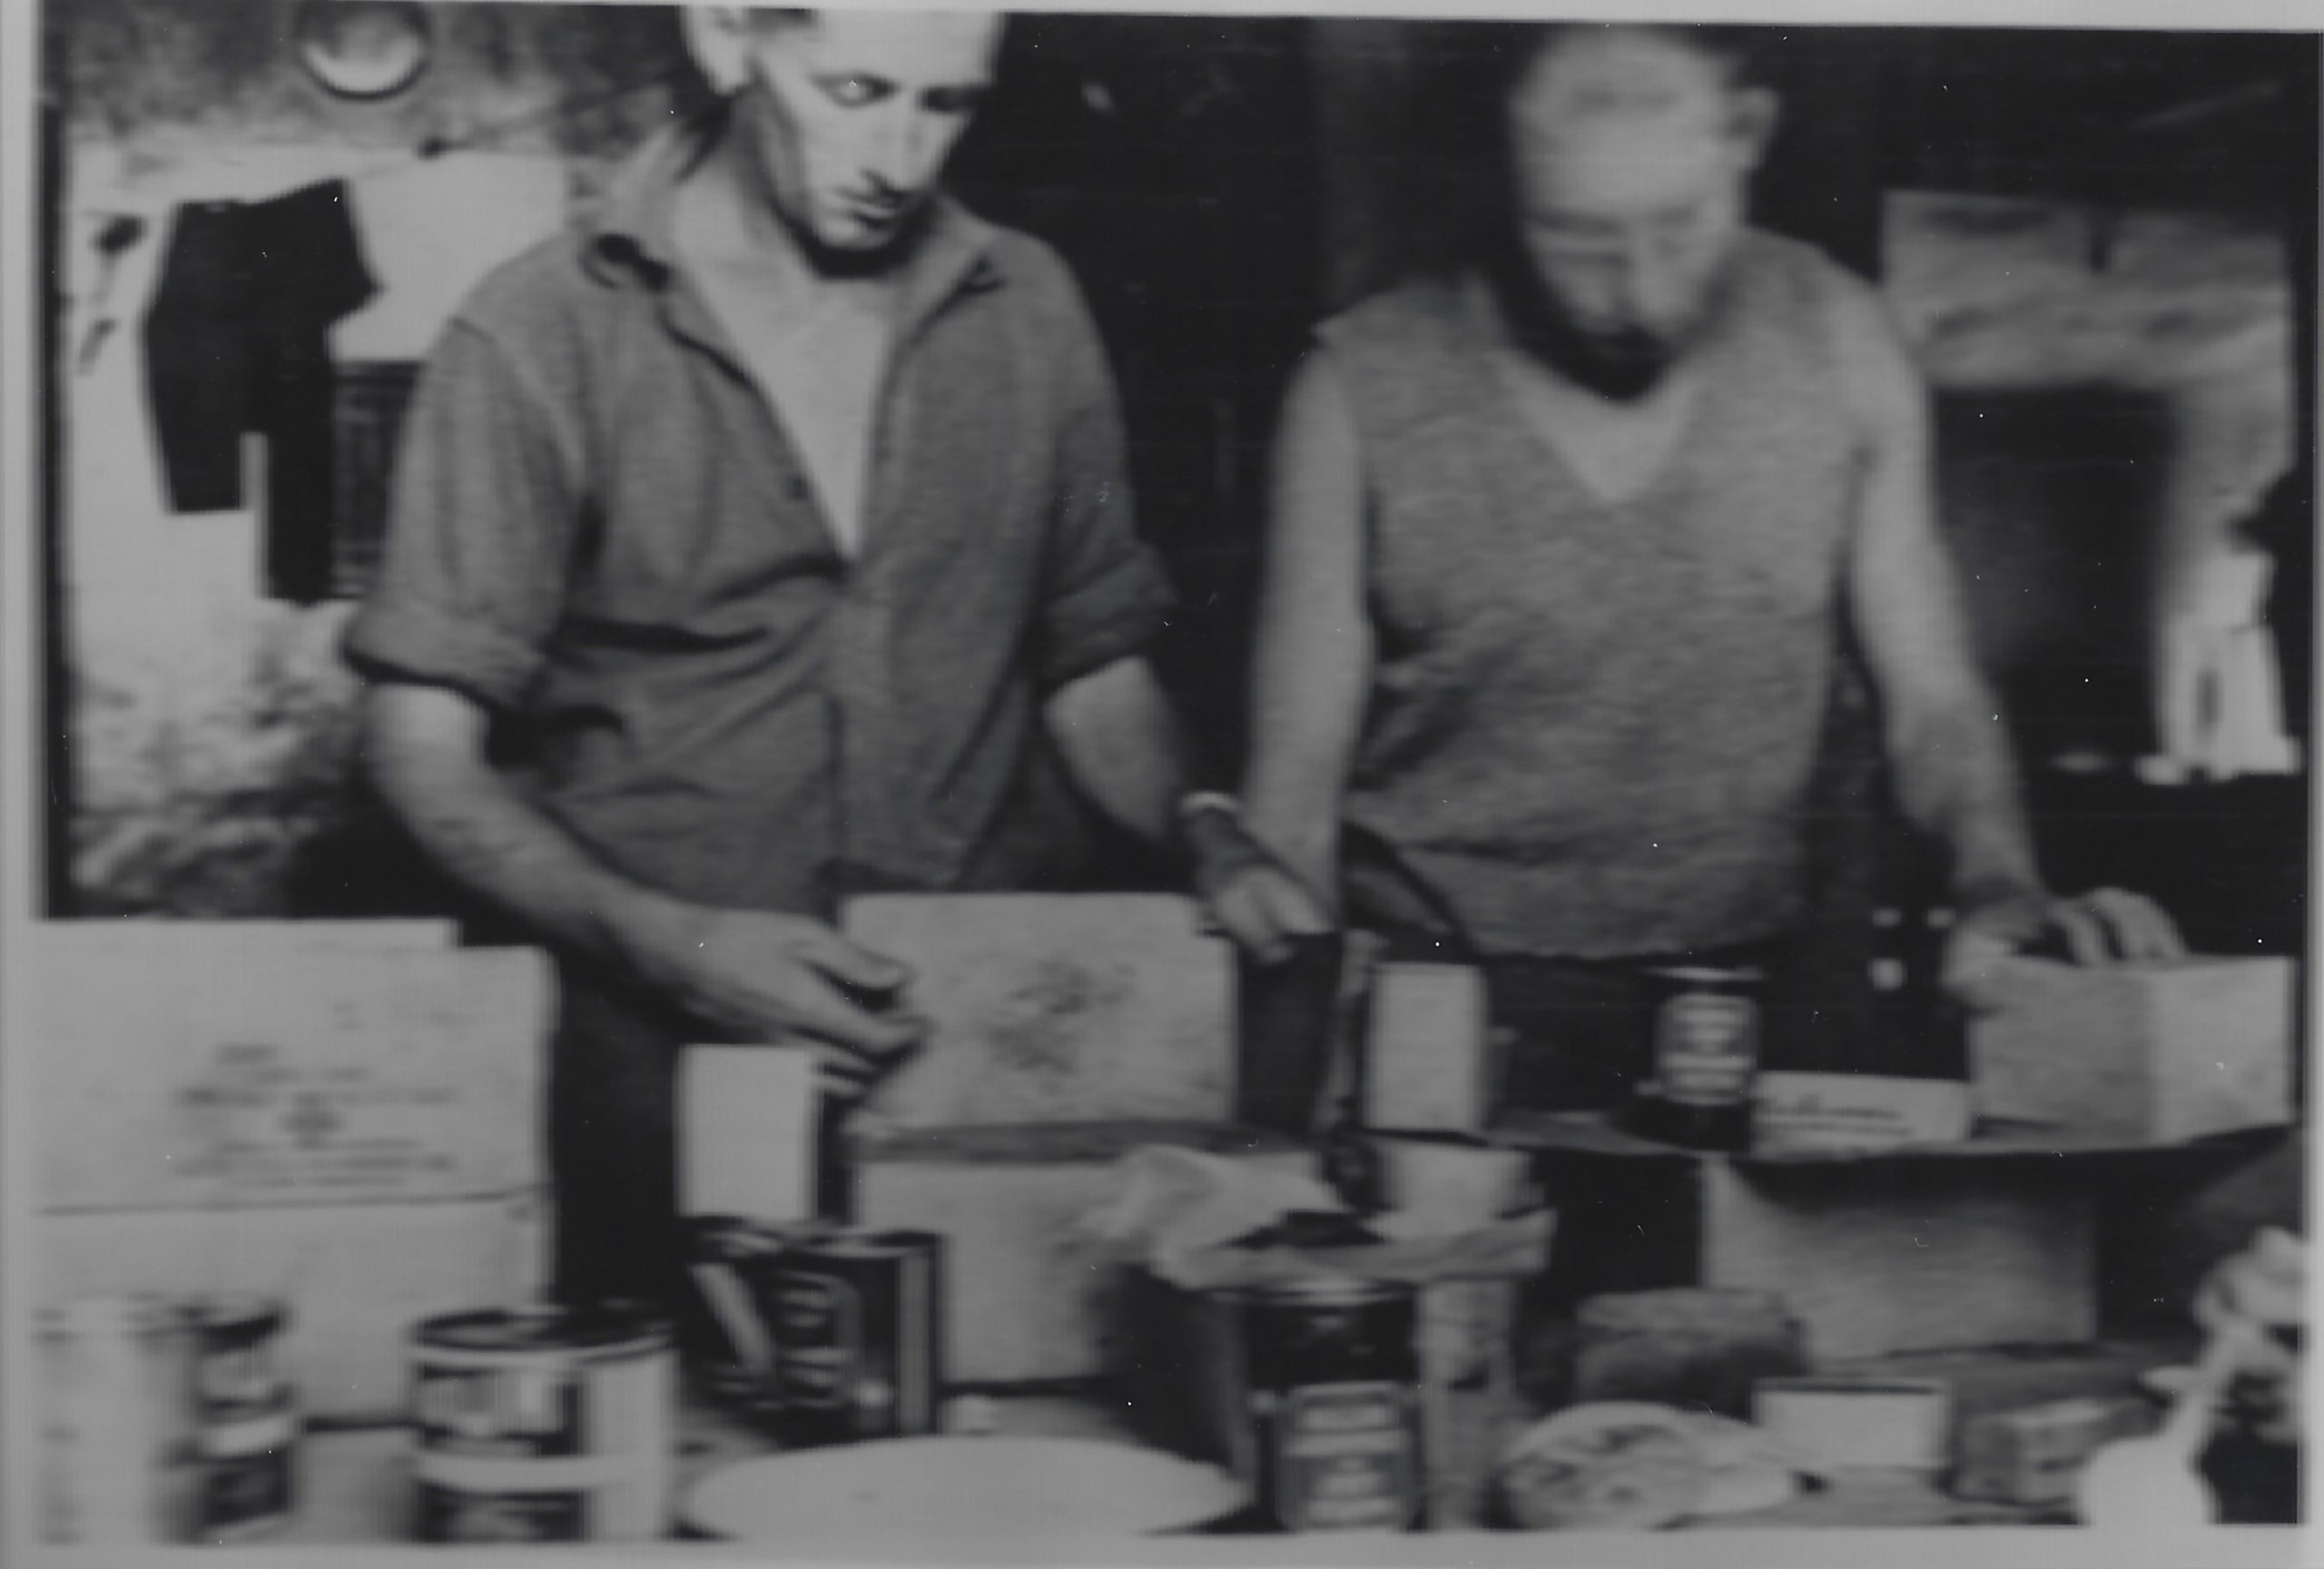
<point>732,1261</point>
<point>858,1334</point>
<point>544,1424</point>
<point>1706,1042</point>
<point>118,1420</point>
<point>247,1432</point>
<point>1334,1382</point>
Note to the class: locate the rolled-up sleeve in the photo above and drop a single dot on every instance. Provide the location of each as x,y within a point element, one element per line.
<point>480,532</point>
<point>1106,595</point>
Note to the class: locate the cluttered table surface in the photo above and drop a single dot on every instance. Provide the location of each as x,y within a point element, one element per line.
<point>355,1485</point>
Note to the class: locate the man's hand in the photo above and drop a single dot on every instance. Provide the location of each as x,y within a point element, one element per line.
<point>1257,901</point>
<point>2105,926</point>
<point>771,977</point>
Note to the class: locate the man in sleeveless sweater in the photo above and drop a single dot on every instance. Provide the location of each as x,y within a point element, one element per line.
<point>765,540</point>
<point>1559,549</point>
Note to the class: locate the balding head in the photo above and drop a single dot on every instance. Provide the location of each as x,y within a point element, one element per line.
<point>1632,149</point>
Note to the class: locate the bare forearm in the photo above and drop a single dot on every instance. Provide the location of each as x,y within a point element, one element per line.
<point>1125,747</point>
<point>1957,781</point>
<point>496,844</point>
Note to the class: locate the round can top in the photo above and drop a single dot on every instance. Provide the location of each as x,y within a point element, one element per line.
<point>734,1237</point>
<point>593,1328</point>
<point>242,1315</point>
<point>1320,1291</point>
<point>851,1243</point>
<point>117,1313</point>
<point>1710,976</point>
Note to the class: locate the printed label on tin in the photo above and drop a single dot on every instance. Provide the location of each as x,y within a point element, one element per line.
<point>449,1514</point>
<point>1345,1458</point>
<point>1706,1048</point>
<point>246,1493</point>
<point>819,1330</point>
<point>510,1411</point>
<point>240,1381</point>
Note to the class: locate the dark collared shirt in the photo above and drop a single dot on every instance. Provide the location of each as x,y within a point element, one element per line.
<point>602,533</point>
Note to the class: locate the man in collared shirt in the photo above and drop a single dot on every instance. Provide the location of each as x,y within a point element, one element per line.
<point>763,542</point>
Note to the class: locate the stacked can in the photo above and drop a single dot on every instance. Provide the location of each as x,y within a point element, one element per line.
<point>544,1424</point>
<point>856,1318</point>
<point>246,1418</point>
<point>118,1422</point>
<point>1334,1381</point>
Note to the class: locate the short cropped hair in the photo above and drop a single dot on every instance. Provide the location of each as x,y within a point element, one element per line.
<point>1736,51</point>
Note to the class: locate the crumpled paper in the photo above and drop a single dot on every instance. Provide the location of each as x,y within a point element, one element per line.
<point>1181,1213</point>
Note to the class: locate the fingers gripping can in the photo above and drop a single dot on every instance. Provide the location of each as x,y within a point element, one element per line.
<point>544,1424</point>
<point>858,1326</point>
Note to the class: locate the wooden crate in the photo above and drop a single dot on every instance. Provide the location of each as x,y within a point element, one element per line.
<point>1055,1008</point>
<point>2152,1051</point>
<point>1928,1249</point>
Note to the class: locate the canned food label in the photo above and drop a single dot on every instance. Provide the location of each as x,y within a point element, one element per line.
<point>449,1514</point>
<point>819,1328</point>
<point>246,1492</point>
<point>510,1411</point>
<point>1706,1048</point>
<point>1345,1458</point>
<point>239,1381</point>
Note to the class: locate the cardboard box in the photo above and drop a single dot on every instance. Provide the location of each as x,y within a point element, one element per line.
<point>2159,1052</point>
<point>1943,1248</point>
<point>1856,1111</point>
<point>1429,1065</point>
<point>284,1076</point>
<point>1056,1008</point>
<point>1027,1300</point>
<point>347,1120</point>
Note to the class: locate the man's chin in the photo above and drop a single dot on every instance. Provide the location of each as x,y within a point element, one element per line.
<point>850,247</point>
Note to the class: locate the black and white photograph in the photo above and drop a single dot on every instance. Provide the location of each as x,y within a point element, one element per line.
<point>1215,788</point>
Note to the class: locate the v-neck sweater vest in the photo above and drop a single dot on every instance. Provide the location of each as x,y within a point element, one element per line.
<point>1593,721</point>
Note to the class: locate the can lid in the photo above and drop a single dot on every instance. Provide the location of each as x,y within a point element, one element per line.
<point>596,1327</point>
<point>872,1243</point>
<point>1710,975</point>
<point>237,1312</point>
<point>114,1313</point>
<point>1320,1291</point>
<point>733,1238</point>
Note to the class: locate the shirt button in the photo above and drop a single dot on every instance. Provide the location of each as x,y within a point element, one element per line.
<point>797,489</point>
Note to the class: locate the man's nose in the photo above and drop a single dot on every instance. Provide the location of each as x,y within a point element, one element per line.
<point>896,159</point>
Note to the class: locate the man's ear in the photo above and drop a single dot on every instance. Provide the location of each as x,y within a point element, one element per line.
<point>718,37</point>
<point>1753,122</point>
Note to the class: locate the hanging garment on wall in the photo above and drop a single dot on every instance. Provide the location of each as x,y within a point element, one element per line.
<point>238,340</point>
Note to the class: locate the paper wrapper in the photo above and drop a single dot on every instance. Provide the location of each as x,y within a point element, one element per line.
<point>1180,1213</point>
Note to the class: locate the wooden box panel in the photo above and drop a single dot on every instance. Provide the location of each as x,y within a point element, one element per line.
<point>1056,1008</point>
<point>2154,1052</point>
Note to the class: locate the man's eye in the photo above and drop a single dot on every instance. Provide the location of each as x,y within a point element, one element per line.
<point>854,92</point>
<point>954,100</point>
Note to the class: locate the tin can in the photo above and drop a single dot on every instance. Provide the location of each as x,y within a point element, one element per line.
<point>1334,1382</point>
<point>246,1416</point>
<point>118,1421</point>
<point>732,1263</point>
<point>1706,1046</point>
<point>859,1323</point>
<point>544,1424</point>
